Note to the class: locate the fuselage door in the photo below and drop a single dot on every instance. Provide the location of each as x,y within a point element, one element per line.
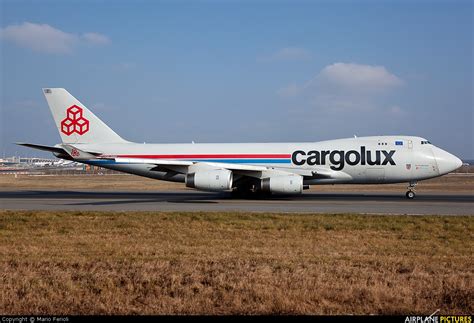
<point>408,161</point>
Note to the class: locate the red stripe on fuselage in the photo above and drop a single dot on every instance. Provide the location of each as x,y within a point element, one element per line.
<point>208,156</point>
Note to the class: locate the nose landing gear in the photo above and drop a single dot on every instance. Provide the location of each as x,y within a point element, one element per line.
<point>411,191</point>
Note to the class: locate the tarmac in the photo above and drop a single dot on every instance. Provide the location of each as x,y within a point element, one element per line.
<point>362,203</point>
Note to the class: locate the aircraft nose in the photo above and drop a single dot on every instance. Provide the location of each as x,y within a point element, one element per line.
<point>446,162</point>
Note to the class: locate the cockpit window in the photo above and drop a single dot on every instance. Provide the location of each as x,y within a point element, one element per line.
<point>425,142</point>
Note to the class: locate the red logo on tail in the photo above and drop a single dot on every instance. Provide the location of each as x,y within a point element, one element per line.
<point>74,122</point>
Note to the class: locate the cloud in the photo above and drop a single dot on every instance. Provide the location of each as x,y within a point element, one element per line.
<point>47,39</point>
<point>288,54</point>
<point>42,38</point>
<point>358,77</point>
<point>95,38</point>
<point>347,87</point>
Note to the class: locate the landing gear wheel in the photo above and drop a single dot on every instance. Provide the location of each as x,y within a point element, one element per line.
<point>411,191</point>
<point>410,195</point>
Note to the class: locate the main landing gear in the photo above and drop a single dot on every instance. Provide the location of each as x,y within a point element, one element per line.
<point>411,191</point>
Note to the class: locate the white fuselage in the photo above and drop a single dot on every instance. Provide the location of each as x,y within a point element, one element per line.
<point>377,159</point>
<point>243,168</point>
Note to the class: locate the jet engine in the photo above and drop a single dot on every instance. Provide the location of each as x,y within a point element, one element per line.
<point>287,184</point>
<point>210,180</point>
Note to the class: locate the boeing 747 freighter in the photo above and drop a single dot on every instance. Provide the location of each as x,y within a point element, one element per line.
<point>285,168</point>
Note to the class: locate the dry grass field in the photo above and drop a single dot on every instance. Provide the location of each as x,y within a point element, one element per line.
<point>455,183</point>
<point>119,182</point>
<point>224,263</point>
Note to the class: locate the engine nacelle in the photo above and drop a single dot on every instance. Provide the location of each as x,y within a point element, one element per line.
<point>210,180</point>
<point>288,184</point>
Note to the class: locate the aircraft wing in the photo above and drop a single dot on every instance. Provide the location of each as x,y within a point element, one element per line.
<point>181,166</point>
<point>171,162</point>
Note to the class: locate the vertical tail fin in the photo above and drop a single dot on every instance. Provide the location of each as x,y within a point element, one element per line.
<point>76,123</point>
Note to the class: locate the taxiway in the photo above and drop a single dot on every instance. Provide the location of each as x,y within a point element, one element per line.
<point>365,203</point>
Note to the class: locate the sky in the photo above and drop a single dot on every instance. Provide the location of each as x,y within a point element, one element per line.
<point>241,71</point>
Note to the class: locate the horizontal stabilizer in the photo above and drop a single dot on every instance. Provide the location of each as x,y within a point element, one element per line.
<point>63,151</point>
<point>52,149</point>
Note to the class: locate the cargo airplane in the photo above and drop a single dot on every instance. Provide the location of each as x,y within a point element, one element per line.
<point>285,168</point>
